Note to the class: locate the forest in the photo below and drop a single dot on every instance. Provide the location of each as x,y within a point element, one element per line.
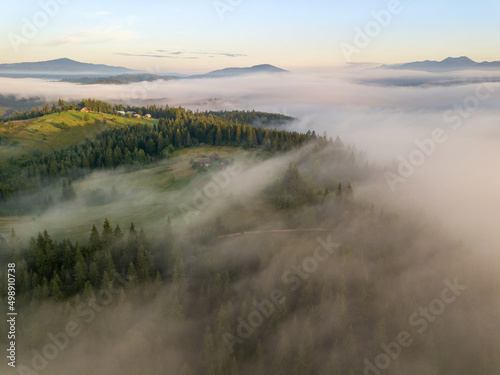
<point>200,295</point>
<point>296,267</point>
<point>142,144</point>
<point>255,118</point>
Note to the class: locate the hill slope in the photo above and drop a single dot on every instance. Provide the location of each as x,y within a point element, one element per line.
<point>55,131</point>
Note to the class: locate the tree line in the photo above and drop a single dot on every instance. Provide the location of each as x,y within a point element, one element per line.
<point>157,112</point>
<point>142,144</point>
<point>50,269</point>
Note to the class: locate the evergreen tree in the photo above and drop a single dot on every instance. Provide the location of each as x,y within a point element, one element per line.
<point>55,287</point>
<point>93,274</point>
<point>107,234</point>
<point>79,271</point>
<point>142,265</point>
<point>94,241</point>
<point>88,293</point>
<point>117,233</point>
<point>131,276</point>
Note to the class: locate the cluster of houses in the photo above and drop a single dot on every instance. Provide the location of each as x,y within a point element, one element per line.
<point>206,162</point>
<point>133,114</point>
<point>122,113</point>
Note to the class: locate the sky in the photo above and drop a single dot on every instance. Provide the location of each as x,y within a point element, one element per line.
<point>191,36</point>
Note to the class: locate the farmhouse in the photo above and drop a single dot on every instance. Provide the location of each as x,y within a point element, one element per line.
<point>84,110</point>
<point>147,115</point>
<point>121,113</point>
<point>205,162</point>
<point>214,156</point>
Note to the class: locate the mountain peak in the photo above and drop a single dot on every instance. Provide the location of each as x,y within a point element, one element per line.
<point>63,59</point>
<point>449,64</point>
<point>461,59</point>
<point>232,72</point>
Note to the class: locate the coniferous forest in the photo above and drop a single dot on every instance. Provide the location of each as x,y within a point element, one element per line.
<point>140,145</point>
<point>297,275</point>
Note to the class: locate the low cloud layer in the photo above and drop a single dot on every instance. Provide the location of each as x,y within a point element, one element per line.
<point>435,155</point>
<point>456,182</point>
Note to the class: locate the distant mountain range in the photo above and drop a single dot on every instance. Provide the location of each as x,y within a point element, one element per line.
<point>450,64</point>
<point>84,73</point>
<point>59,68</point>
<point>232,72</point>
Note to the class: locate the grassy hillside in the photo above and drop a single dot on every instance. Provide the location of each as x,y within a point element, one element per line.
<point>152,193</point>
<point>28,138</point>
<point>137,173</point>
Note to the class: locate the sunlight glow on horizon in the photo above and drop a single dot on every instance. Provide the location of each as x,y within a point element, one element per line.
<point>197,37</point>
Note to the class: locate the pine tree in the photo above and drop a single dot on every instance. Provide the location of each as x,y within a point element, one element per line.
<point>79,271</point>
<point>117,233</point>
<point>143,265</point>
<point>45,289</point>
<point>238,135</point>
<point>88,293</point>
<point>178,139</point>
<point>55,287</point>
<point>130,251</point>
<point>94,241</point>
<point>107,233</point>
<point>110,267</point>
<point>218,137</point>
<point>93,274</point>
<point>131,276</point>
<point>142,239</point>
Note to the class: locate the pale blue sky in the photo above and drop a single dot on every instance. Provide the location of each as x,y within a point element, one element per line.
<point>192,36</point>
